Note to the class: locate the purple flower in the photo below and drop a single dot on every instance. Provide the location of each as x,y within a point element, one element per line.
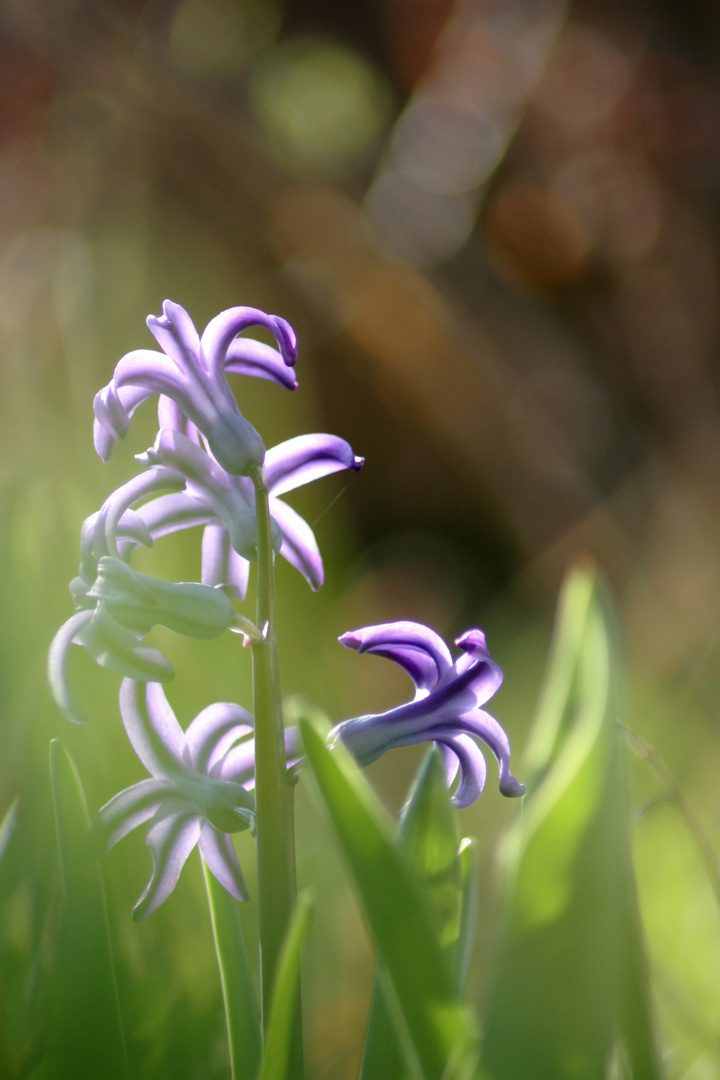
<point>225,504</point>
<point>199,791</point>
<point>445,709</point>
<point>191,371</point>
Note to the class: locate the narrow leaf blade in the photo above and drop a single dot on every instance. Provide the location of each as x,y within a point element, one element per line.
<point>241,1010</point>
<point>571,943</point>
<point>279,1032</point>
<point>89,1039</point>
<point>396,909</point>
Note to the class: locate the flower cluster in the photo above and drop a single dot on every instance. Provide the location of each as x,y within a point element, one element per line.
<point>204,469</point>
<point>195,474</point>
<point>446,708</point>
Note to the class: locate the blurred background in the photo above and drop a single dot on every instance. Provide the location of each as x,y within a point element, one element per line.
<point>494,227</point>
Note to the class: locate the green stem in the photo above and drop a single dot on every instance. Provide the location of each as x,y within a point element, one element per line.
<point>273,786</point>
<point>243,1025</point>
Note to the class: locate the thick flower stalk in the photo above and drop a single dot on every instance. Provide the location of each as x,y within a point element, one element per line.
<point>446,708</point>
<point>191,371</point>
<point>200,791</point>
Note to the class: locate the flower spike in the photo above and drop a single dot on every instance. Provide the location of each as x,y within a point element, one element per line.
<point>446,707</point>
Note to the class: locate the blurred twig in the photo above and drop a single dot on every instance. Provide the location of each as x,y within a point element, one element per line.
<point>672,793</point>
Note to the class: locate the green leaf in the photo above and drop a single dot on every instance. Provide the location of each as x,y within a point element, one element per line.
<point>468,865</point>
<point>7,826</point>
<point>241,1011</point>
<point>89,1041</point>
<point>440,1030</point>
<point>428,835</point>
<point>279,1032</point>
<point>571,981</point>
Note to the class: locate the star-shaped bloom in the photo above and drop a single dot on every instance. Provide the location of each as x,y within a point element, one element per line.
<point>201,493</point>
<point>191,371</point>
<point>199,793</point>
<point>446,708</point>
<point>229,538</point>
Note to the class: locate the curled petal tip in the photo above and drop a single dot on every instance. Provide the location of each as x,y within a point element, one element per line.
<point>351,639</point>
<point>358,463</point>
<point>511,787</point>
<point>472,641</point>
<point>287,340</point>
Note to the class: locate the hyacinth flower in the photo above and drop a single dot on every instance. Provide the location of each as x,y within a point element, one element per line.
<point>199,793</point>
<point>230,537</point>
<point>446,708</point>
<point>192,372</point>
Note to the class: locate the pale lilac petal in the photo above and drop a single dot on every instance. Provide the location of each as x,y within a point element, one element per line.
<point>131,527</point>
<point>206,479</point>
<point>103,441</point>
<point>299,545</point>
<point>221,330</point>
<point>246,356</point>
<point>219,855</point>
<point>237,765</point>
<point>169,513</point>
<point>57,666</point>
<point>215,549</point>
<point>114,405</point>
<point>238,574</point>
<point>170,415</point>
<point>173,449</point>
<point>467,756</point>
<point>130,808</point>
<point>112,510</point>
<point>115,647</point>
<point>305,458</point>
<point>172,835</point>
<point>213,731</point>
<point>416,648</point>
<point>151,727</point>
<point>149,371</point>
<point>176,335</point>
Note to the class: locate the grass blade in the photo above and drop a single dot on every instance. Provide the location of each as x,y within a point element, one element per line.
<point>241,1010</point>
<point>89,1040</point>
<point>279,1034</point>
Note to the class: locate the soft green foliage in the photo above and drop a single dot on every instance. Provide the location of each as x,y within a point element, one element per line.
<point>571,988</point>
<point>7,826</point>
<point>428,835</point>
<point>88,1038</point>
<point>404,925</point>
<point>279,1032</point>
<point>241,1011</point>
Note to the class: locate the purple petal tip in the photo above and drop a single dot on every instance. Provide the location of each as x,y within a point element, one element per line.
<point>351,640</point>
